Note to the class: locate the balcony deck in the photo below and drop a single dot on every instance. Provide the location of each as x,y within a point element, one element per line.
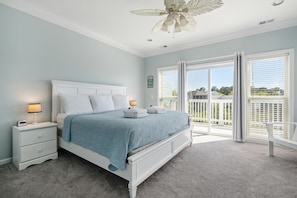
<point>216,130</point>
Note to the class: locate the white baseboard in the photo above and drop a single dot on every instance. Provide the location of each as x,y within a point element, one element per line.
<point>5,161</point>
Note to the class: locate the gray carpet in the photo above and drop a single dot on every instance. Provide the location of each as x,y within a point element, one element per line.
<point>215,169</point>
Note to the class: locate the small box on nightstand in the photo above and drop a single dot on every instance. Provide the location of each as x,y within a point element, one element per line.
<point>34,144</point>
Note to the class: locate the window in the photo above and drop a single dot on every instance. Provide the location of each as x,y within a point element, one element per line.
<point>168,88</point>
<point>269,91</point>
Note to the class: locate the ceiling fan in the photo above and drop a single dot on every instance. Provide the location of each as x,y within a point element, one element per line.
<point>180,15</point>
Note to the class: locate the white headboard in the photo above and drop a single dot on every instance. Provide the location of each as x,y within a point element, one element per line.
<point>78,88</point>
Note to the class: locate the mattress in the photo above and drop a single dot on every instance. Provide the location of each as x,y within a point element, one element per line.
<point>60,120</point>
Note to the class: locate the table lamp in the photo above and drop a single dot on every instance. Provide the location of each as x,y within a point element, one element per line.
<point>34,108</point>
<point>132,103</point>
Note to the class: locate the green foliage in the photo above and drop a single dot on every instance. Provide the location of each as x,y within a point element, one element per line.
<point>227,91</point>
<point>174,92</point>
<point>261,91</point>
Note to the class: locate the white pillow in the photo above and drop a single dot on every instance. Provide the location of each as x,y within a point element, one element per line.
<point>102,103</point>
<point>73,104</point>
<point>120,101</point>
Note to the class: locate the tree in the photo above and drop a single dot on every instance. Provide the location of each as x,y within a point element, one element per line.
<point>214,88</point>
<point>174,92</point>
<point>226,90</point>
<point>202,89</point>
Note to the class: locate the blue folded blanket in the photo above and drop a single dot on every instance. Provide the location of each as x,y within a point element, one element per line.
<point>113,136</point>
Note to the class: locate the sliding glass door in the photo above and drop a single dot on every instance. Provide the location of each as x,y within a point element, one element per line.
<point>210,97</point>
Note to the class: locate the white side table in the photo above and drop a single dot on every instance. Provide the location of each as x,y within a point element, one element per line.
<point>34,144</point>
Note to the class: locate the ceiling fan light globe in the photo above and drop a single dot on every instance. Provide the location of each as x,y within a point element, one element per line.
<point>177,27</point>
<point>164,27</point>
<point>170,17</point>
<point>169,22</point>
<point>183,21</point>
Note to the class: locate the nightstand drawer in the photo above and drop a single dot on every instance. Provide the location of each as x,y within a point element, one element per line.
<point>37,150</point>
<point>37,135</point>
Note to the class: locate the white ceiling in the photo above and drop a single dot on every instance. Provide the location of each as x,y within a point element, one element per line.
<point>111,22</point>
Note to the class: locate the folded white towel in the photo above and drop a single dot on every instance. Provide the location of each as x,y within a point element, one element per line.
<point>156,109</point>
<point>135,113</point>
<point>136,110</point>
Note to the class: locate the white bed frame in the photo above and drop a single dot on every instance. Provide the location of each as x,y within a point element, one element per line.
<point>140,165</point>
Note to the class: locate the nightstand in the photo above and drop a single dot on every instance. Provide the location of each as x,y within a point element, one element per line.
<point>34,144</point>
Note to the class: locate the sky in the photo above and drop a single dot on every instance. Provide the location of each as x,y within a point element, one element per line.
<point>219,77</point>
<point>199,78</point>
<point>267,73</point>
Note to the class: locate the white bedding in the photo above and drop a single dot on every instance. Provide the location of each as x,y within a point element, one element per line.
<point>60,119</point>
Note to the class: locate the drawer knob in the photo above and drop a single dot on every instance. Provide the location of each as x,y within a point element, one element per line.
<point>40,150</point>
<point>39,136</point>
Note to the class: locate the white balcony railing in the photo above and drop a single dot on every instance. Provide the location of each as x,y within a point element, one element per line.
<point>220,111</point>
<point>260,110</point>
<point>263,110</point>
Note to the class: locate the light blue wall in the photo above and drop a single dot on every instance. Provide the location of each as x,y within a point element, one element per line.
<point>271,41</point>
<point>33,52</point>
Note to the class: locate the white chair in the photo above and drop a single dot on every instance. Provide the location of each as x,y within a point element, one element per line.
<point>290,141</point>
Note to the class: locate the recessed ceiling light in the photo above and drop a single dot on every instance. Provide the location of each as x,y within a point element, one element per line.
<point>278,2</point>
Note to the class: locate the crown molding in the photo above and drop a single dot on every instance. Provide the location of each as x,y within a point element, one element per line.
<point>88,33</point>
<point>68,25</point>
<point>227,37</point>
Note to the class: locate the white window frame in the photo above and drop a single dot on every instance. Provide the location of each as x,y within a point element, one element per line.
<point>162,69</point>
<point>291,65</point>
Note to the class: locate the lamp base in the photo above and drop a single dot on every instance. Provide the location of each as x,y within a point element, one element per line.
<point>34,118</point>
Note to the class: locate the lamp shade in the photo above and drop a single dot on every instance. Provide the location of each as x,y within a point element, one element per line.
<point>34,108</point>
<point>132,103</point>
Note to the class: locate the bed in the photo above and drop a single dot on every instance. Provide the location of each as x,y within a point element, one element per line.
<point>138,165</point>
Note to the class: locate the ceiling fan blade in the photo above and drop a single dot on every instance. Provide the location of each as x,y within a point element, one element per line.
<point>197,7</point>
<point>169,20</point>
<point>158,26</point>
<point>149,12</point>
